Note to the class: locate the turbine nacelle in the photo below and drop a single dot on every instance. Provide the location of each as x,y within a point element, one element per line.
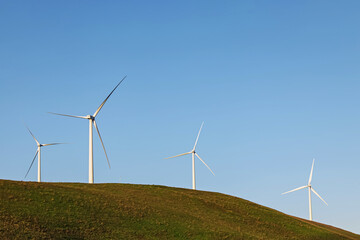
<point>90,117</point>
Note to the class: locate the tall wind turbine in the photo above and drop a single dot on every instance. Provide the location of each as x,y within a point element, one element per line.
<point>310,188</point>
<point>38,153</point>
<point>193,154</point>
<point>92,122</point>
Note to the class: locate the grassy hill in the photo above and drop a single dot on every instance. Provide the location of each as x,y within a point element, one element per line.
<point>31,210</point>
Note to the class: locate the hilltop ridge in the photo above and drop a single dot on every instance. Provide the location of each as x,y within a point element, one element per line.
<point>30,210</point>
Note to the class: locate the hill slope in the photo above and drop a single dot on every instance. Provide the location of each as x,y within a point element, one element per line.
<point>124,211</point>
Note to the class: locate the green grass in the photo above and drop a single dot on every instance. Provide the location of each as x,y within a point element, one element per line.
<point>31,210</point>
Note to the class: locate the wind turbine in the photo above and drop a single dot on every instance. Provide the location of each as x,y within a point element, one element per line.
<point>92,122</point>
<point>310,188</point>
<point>193,154</point>
<point>38,153</point>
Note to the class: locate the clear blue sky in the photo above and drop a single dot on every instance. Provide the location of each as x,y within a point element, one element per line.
<point>276,84</point>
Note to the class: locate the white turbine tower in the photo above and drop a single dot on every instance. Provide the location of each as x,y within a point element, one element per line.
<point>310,188</point>
<point>92,122</point>
<point>193,153</point>
<point>38,153</point>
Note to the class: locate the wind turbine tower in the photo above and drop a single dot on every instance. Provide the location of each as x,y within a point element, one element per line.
<point>193,154</point>
<point>310,189</point>
<point>38,153</point>
<point>92,122</point>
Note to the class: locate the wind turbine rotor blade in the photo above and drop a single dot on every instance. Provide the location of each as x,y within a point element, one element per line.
<point>32,135</point>
<point>66,115</point>
<point>319,196</point>
<point>31,164</point>
<point>178,155</point>
<point>102,104</point>
<point>49,144</point>
<point>295,189</point>
<point>102,143</point>
<point>205,163</point>
<point>197,138</point>
<point>311,173</point>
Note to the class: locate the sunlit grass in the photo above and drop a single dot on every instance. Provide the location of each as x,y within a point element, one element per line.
<point>124,211</point>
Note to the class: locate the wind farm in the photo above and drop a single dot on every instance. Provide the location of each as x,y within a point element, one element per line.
<point>187,120</point>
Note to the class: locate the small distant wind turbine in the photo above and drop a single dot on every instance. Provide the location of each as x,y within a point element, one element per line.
<point>91,123</point>
<point>38,152</point>
<point>193,153</point>
<point>310,189</point>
